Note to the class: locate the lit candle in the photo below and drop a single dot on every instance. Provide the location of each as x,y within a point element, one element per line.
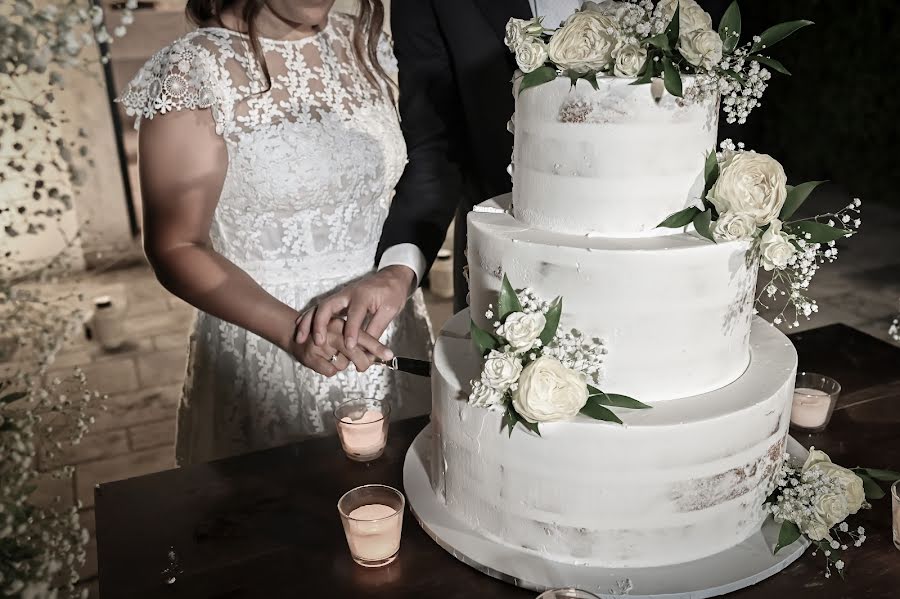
<point>810,408</point>
<point>366,436</point>
<point>372,516</point>
<point>373,533</point>
<point>362,426</point>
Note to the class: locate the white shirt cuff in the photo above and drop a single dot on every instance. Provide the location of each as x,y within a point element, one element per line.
<point>405,254</point>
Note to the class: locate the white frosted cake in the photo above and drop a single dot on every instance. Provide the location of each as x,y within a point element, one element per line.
<point>594,172</point>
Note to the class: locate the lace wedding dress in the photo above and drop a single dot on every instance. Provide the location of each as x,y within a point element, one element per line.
<point>312,162</point>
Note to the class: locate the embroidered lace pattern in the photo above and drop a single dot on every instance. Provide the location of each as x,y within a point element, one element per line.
<point>313,158</point>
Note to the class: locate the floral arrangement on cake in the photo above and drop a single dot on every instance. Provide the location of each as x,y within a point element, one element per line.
<point>746,198</point>
<point>533,372</point>
<point>815,501</point>
<point>635,39</point>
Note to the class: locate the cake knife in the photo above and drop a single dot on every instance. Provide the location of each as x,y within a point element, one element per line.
<point>410,365</point>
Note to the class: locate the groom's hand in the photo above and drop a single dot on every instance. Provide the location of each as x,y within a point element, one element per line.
<point>380,295</point>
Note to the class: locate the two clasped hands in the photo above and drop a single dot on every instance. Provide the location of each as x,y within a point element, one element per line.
<point>346,327</point>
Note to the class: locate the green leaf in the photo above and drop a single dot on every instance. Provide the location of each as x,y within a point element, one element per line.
<point>539,76</point>
<point>776,33</point>
<point>509,301</point>
<point>771,63</point>
<point>680,219</point>
<point>620,401</point>
<point>594,410</point>
<point>672,78</point>
<point>703,224</point>
<point>795,198</point>
<point>13,397</point>
<point>660,40</point>
<point>730,27</point>
<point>818,232</point>
<point>552,316</point>
<point>710,172</point>
<point>789,533</point>
<point>672,29</point>
<point>647,72</point>
<point>512,418</point>
<point>484,340</point>
<point>888,476</point>
<point>872,489</point>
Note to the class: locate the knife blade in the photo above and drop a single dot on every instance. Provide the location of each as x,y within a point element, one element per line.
<point>410,365</point>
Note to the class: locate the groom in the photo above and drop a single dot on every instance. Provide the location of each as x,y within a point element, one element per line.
<point>455,102</point>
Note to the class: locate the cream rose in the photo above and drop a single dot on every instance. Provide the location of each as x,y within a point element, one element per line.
<point>522,329</point>
<point>691,16</point>
<point>483,396</point>
<point>775,247</point>
<point>501,370</point>
<point>585,43</point>
<point>701,48</point>
<point>750,183</point>
<point>834,508</point>
<point>628,59</point>
<point>732,226</point>
<point>549,391</point>
<point>531,54</point>
<point>520,31</point>
<point>609,8</point>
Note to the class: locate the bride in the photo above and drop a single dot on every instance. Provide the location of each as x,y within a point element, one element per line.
<point>269,148</point>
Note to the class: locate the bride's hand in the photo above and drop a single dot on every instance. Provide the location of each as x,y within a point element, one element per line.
<point>333,355</point>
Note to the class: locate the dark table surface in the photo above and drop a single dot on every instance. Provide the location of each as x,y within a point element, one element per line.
<point>266,524</point>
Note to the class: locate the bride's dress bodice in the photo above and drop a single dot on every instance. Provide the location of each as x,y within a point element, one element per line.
<point>313,156</point>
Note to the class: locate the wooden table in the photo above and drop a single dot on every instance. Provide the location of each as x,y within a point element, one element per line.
<point>266,525</point>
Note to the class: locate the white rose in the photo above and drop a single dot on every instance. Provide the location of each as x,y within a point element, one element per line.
<point>830,509</point>
<point>530,55</point>
<point>521,329</point>
<point>750,183</point>
<point>628,60</point>
<point>483,396</point>
<point>775,247</point>
<point>609,8</point>
<point>501,370</point>
<point>691,16</point>
<point>585,43</point>
<point>733,226</point>
<point>515,33</point>
<point>701,48</point>
<point>519,31</point>
<point>549,391</point>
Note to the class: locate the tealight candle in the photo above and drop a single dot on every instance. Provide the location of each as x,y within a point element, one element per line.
<point>372,516</point>
<point>815,396</point>
<point>895,509</point>
<point>362,425</point>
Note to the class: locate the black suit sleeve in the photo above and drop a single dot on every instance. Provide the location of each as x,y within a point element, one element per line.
<point>432,122</point>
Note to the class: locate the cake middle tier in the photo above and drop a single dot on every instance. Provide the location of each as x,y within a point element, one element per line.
<point>673,311</point>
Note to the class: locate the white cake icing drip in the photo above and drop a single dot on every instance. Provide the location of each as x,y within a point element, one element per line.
<point>681,481</point>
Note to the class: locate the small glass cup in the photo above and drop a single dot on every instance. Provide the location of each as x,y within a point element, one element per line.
<point>895,510</point>
<point>815,396</point>
<point>362,425</point>
<point>372,516</point>
<point>567,594</point>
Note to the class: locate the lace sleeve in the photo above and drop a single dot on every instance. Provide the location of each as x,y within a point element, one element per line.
<point>386,55</point>
<point>183,76</point>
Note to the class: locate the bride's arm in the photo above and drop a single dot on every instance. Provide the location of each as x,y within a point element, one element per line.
<point>182,169</point>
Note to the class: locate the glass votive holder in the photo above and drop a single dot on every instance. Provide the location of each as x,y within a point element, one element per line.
<point>567,594</point>
<point>895,510</point>
<point>362,425</point>
<point>815,396</point>
<point>372,516</point>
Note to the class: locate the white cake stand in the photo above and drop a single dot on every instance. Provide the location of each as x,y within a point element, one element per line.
<point>739,567</point>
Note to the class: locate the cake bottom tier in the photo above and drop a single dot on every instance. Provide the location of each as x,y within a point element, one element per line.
<point>681,481</point>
